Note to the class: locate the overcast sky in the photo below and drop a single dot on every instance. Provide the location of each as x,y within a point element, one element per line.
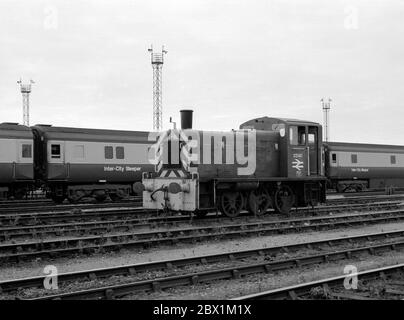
<point>230,61</point>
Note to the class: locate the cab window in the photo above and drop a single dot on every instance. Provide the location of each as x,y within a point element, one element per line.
<point>334,158</point>
<point>354,158</point>
<point>26,151</point>
<point>393,159</point>
<point>297,135</point>
<point>312,138</point>
<point>55,151</point>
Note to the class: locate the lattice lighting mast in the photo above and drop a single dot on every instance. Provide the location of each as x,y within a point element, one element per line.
<point>326,104</point>
<point>157,60</point>
<point>25,91</point>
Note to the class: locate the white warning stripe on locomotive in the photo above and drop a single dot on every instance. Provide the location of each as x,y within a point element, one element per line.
<point>172,174</point>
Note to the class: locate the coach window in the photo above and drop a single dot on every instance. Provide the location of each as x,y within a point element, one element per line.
<point>55,151</point>
<point>109,152</point>
<point>354,158</point>
<point>120,152</point>
<point>393,159</point>
<point>26,151</point>
<point>334,158</point>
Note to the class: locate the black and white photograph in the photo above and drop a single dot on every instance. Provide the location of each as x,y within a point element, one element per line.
<point>202,155</point>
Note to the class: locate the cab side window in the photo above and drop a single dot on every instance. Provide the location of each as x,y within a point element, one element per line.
<point>293,135</point>
<point>297,136</point>
<point>302,136</point>
<point>354,158</point>
<point>334,157</point>
<point>393,159</point>
<point>55,151</point>
<point>26,151</point>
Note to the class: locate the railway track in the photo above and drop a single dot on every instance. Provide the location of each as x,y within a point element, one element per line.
<point>32,219</point>
<point>48,206</point>
<point>29,219</point>
<point>237,267</point>
<point>333,288</point>
<point>363,198</point>
<point>131,220</point>
<point>91,244</point>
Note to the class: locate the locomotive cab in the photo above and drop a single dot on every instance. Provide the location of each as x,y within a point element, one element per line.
<point>300,145</point>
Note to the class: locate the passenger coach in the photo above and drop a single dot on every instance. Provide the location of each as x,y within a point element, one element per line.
<point>357,166</point>
<point>16,160</point>
<point>74,163</point>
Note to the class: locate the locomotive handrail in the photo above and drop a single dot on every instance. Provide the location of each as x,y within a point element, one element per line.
<point>308,161</point>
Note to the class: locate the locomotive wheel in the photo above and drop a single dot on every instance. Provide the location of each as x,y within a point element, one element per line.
<point>231,204</point>
<point>259,202</point>
<point>284,199</point>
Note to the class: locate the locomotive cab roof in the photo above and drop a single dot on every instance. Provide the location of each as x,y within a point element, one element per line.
<point>273,124</point>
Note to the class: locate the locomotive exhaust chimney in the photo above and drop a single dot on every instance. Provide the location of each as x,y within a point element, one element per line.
<point>186,119</point>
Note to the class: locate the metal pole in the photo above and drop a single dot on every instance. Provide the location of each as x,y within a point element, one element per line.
<point>157,60</point>
<point>326,118</point>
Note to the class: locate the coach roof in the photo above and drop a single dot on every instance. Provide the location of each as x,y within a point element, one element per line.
<point>363,147</point>
<point>84,134</point>
<point>10,130</point>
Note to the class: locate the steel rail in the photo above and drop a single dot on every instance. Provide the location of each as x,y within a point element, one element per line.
<point>234,272</point>
<point>96,227</point>
<point>16,209</point>
<point>42,218</point>
<point>17,251</point>
<point>50,217</point>
<point>301,290</point>
<point>132,269</point>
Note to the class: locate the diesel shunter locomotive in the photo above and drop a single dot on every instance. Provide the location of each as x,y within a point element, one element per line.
<point>267,163</point>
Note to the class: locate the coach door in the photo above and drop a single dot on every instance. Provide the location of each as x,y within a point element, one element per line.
<point>312,147</point>
<point>57,169</point>
<point>23,169</point>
